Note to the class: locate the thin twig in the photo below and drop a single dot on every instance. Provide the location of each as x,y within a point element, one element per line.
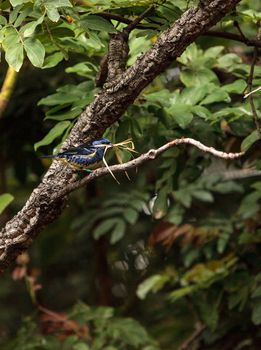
<point>199,328</point>
<point>244,38</point>
<point>119,18</point>
<point>250,86</point>
<point>251,97</point>
<point>232,36</point>
<point>150,155</point>
<point>137,20</point>
<point>252,92</point>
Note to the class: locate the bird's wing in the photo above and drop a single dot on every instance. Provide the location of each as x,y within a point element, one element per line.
<point>79,150</point>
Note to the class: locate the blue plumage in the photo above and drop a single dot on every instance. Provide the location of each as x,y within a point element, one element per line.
<point>85,156</point>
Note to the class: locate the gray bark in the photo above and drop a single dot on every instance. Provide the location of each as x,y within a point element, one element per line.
<point>107,108</point>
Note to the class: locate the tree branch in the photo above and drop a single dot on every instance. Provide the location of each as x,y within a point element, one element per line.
<point>7,89</point>
<point>137,20</point>
<point>107,108</point>
<point>199,328</point>
<point>144,158</point>
<point>121,19</point>
<point>250,86</point>
<point>214,33</point>
<point>232,36</point>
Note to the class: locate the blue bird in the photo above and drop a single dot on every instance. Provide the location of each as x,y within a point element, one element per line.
<point>84,157</point>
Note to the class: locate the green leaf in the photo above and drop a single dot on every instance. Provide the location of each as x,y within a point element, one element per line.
<point>228,61</point>
<point>201,112</point>
<point>184,197</point>
<point>60,3</point>
<point>213,52</point>
<point>5,200</point>
<point>256,313</point>
<point>97,23</point>
<point>190,54</point>
<point>175,214</point>
<point>81,346</point>
<point>104,227</point>
<point>51,7</point>
<point>130,215</point>
<point>208,307</point>
<point>217,95</point>
<point>153,283</point>
<point>249,205</point>
<point>65,115</point>
<point>70,93</point>
<point>35,51</point>
<point>118,231</point>
<point>13,14</point>
<point>52,13</point>
<point>17,2</point>
<point>256,293</point>
<point>29,28</point>
<point>249,141</point>
<point>23,14</point>
<point>193,95</point>
<point>55,132</point>
<point>52,60</point>
<point>181,114</point>
<point>202,195</point>
<point>181,292</point>
<point>3,20</point>
<point>14,53</point>
<point>237,87</point>
<point>83,69</point>
<point>192,78</point>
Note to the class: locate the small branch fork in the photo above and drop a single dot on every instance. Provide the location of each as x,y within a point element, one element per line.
<point>145,157</point>
<point>114,63</point>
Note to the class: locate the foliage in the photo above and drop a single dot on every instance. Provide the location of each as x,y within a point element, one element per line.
<point>95,329</point>
<point>179,244</point>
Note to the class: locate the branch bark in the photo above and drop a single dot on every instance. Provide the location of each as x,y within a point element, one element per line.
<point>107,108</point>
<point>144,158</point>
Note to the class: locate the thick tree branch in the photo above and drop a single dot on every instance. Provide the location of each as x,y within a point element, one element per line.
<point>144,158</point>
<point>107,108</point>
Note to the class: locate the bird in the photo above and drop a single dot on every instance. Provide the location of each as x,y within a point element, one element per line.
<point>86,156</point>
